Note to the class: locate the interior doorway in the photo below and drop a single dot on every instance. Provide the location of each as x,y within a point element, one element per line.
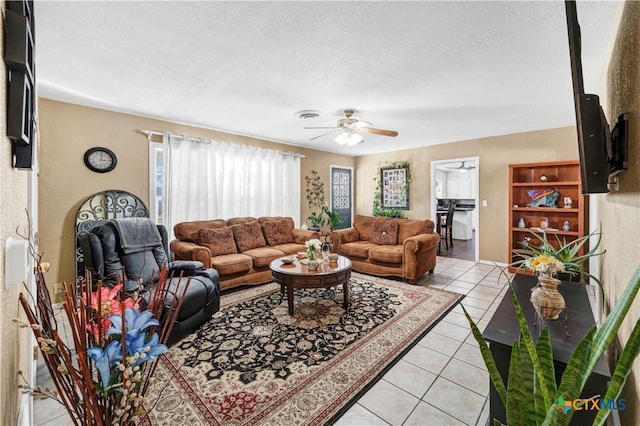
<point>457,180</point>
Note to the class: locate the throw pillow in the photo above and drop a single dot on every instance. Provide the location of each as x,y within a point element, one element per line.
<point>277,232</point>
<point>218,240</point>
<point>385,232</point>
<point>248,236</point>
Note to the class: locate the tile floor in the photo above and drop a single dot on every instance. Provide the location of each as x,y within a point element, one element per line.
<point>441,381</point>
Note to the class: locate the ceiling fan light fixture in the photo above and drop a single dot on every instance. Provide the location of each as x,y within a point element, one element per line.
<point>349,138</point>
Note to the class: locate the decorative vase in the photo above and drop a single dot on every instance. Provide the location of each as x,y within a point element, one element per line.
<point>313,264</point>
<point>546,298</point>
<point>521,223</point>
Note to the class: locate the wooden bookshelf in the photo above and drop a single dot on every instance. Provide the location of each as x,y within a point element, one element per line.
<point>561,176</point>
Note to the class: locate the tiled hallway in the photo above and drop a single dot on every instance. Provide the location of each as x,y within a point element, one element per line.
<point>441,381</point>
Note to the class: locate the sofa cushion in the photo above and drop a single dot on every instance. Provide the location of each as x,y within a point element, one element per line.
<point>364,225</point>
<point>248,236</point>
<point>263,256</point>
<point>411,227</point>
<point>190,231</point>
<point>218,240</point>
<point>385,232</point>
<point>229,264</point>
<point>357,249</point>
<point>290,248</point>
<point>277,232</point>
<point>239,220</point>
<point>386,254</point>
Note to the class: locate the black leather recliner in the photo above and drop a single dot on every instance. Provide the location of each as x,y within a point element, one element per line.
<point>137,258</point>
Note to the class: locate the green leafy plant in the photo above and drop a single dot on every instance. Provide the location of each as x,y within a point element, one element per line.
<point>566,252</point>
<point>316,219</point>
<point>333,219</point>
<point>531,392</point>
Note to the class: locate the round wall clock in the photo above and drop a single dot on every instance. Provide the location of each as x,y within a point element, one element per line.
<point>100,160</point>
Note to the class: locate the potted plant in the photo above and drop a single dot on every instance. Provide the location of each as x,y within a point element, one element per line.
<point>567,253</point>
<point>531,396</point>
<point>317,221</point>
<point>333,219</point>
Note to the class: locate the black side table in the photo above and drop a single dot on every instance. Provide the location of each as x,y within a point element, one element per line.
<point>503,330</point>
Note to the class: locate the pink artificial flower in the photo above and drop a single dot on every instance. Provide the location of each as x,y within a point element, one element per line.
<point>109,305</point>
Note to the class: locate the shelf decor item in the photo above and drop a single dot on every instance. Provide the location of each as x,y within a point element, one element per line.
<point>545,198</point>
<point>521,223</point>
<point>544,223</point>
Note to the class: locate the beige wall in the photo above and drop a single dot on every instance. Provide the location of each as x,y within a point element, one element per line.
<point>67,131</point>
<point>620,211</point>
<point>495,154</point>
<point>14,196</point>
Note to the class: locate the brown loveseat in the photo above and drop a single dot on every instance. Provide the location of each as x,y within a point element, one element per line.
<point>240,249</point>
<point>389,247</point>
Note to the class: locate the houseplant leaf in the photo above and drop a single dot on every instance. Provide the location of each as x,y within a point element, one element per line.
<point>622,370</point>
<point>519,395</point>
<point>489,362</point>
<point>545,355</point>
<point>525,336</point>
<point>591,347</point>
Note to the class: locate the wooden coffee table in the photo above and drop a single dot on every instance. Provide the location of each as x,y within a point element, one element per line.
<point>297,275</point>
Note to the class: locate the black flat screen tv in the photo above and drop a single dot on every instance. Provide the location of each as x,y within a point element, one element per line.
<point>593,129</point>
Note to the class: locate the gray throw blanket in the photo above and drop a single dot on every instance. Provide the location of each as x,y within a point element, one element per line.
<point>136,234</point>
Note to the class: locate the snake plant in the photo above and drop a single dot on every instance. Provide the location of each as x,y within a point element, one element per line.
<point>531,392</point>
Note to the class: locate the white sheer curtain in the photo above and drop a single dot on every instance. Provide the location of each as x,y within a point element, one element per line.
<point>207,179</point>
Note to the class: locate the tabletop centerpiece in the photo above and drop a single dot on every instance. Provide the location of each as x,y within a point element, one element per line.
<point>314,246</point>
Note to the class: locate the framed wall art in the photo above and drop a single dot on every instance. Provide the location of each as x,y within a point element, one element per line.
<point>394,187</point>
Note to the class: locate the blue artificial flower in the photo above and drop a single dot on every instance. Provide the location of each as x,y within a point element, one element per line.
<point>135,323</point>
<point>105,359</point>
<point>152,349</point>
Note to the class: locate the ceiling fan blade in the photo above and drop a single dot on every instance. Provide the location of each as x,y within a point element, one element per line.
<point>381,132</point>
<point>325,134</point>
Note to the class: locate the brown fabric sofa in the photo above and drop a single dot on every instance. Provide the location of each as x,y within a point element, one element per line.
<point>240,249</point>
<point>385,246</point>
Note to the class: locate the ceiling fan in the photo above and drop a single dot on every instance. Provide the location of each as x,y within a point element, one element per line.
<point>351,128</point>
<point>462,167</point>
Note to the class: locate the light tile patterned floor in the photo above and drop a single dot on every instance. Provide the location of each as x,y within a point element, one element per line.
<point>441,381</point>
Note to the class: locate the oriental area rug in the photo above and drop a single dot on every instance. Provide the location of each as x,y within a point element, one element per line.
<point>253,364</point>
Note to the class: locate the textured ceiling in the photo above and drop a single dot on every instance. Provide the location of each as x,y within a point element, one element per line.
<point>436,72</point>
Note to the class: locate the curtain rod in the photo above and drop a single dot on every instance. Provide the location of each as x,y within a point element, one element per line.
<point>151,133</point>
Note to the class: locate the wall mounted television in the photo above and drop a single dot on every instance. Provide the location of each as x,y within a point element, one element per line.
<point>602,153</point>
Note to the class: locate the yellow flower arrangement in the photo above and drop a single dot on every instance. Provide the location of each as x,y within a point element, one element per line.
<point>544,265</point>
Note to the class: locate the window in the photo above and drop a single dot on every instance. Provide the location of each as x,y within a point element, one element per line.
<point>155,181</point>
